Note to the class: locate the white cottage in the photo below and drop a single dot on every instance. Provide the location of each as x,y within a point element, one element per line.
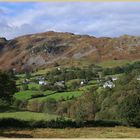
<point>138,78</point>
<point>114,78</point>
<point>83,82</point>
<point>42,82</point>
<point>109,84</point>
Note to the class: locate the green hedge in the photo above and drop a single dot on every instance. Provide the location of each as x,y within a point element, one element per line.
<point>58,123</point>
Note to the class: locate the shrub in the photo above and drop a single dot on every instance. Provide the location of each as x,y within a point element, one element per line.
<point>37,95</point>
<point>60,122</point>
<point>17,103</point>
<point>129,110</point>
<point>34,88</point>
<point>25,87</point>
<point>7,87</point>
<point>50,105</point>
<point>74,84</point>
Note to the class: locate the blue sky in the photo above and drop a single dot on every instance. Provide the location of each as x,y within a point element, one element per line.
<point>94,18</point>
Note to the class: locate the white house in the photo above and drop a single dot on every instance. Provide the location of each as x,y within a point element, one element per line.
<point>14,70</point>
<point>138,78</point>
<point>40,78</point>
<point>114,78</point>
<point>42,83</point>
<point>26,81</point>
<point>83,82</point>
<point>60,83</point>
<point>109,84</point>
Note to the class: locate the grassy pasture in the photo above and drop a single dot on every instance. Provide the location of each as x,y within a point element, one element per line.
<point>59,95</point>
<point>97,132</point>
<point>26,115</point>
<point>34,85</point>
<point>25,95</point>
<point>114,63</point>
<point>86,88</point>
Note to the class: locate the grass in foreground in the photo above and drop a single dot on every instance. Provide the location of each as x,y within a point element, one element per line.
<point>97,132</point>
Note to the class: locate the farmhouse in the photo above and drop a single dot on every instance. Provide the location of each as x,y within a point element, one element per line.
<point>42,82</point>
<point>138,78</point>
<point>114,78</point>
<point>83,82</point>
<point>58,68</point>
<point>40,78</point>
<point>26,81</point>
<point>109,84</point>
<point>60,83</point>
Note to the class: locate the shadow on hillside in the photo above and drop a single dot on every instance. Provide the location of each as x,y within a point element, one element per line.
<point>8,109</point>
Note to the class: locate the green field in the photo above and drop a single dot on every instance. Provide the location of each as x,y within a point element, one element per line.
<point>86,88</point>
<point>26,115</point>
<point>41,72</point>
<point>25,95</point>
<point>59,95</point>
<point>34,85</point>
<point>114,63</point>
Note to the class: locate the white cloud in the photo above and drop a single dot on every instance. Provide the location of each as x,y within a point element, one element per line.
<point>96,18</point>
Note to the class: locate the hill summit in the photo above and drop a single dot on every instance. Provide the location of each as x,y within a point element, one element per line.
<point>44,49</point>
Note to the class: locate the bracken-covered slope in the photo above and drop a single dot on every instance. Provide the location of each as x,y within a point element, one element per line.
<point>44,49</point>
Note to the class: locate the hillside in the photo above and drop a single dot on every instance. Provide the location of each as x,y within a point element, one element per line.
<point>44,49</point>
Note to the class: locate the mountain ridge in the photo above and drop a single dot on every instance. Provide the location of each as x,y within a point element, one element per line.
<point>42,49</point>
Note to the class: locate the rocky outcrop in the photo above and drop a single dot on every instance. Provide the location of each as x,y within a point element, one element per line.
<point>3,41</point>
<point>40,50</point>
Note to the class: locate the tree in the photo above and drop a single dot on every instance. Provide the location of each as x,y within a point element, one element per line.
<point>74,84</point>
<point>129,110</point>
<point>7,87</point>
<point>50,105</point>
<point>25,87</point>
<point>28,75</point>
<point>83,108</point>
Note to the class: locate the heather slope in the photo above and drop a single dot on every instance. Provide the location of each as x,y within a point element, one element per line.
<point>43,49</point>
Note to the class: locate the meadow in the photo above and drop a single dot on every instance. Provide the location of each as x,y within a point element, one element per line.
<point>97,132</point>
<point>48,106</point>
<point>27,116</point>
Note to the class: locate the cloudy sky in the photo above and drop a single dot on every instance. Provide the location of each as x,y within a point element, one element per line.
<point>93,18</point>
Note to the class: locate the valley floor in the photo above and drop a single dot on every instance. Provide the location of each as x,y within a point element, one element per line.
<point>97,132</point>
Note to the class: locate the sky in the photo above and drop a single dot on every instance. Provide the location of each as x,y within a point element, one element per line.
<point>111,19</point>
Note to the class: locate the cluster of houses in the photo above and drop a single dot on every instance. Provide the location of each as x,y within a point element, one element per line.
<point>109,83</point>
<point>42,81</point>
<point>61,83</point>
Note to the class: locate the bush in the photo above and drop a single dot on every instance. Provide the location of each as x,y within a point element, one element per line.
<point>34,88</point>
<point>129,110</point>
<point>17,103</point>
<point>24,87</point>
<point>58,123</point>
<point>74,84</point>
<point>7,87</point>
<point>50,105</point>
<point>35,106</point>
<point>37,95</point>
<point>46,87</point>
<point>3,103</point>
